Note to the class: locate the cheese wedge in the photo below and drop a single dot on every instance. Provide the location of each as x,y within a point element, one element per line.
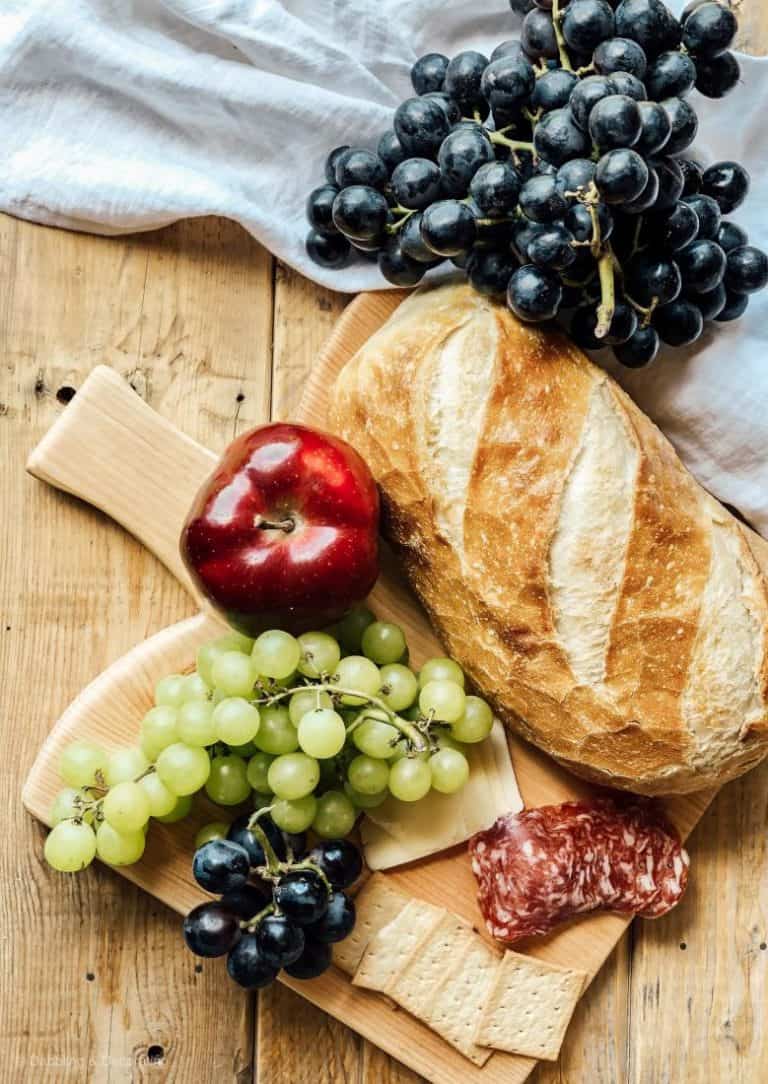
<point>399,832</point>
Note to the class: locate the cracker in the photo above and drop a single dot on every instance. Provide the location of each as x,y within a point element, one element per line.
<point>529,1007</point>
<point>461,997</point>
<point>395,945</point>
<point>376,904</point>
<point>425,971</point>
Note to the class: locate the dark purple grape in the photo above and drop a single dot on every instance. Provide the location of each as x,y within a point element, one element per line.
<point>513,47</point>
<point>711,303</point>
<point>221,866</point>
<point>358,166</point>
<point>339,860</point>
<point>557,138</point>
<point>670,183</point>
<point>672,75</point>
<point>451,108</point>
<point>360,212</point>
<point>280,941</point>
<point>489,271</point>
<point>730,236</point>
<point>615,121</point>
<point>327,250</point>
<point>247,901</point>
<point>579,221</point>
<point>416,183</point>
<point>463,77</point>
<point>314,960</point>
<point>678,323</point>
<point>523,232</point>
<point>709,30</point>
<point>462,153</point>
<point>541,199</point>
<point>553,90</point>
<point>507,83</point>
<point>428,73</point>
<point>650,24</point>
<point>685,124</point>
<point>717,76</point>
<point>587,23</point>
<point>522,7</point>
<point>708,214</point>
<point>411,242</point>
<point>587,94</point>
<point>210,929</point>
<point>301,896</point>
<point>240,833</point>
<point>652,278</point>
<point>702,265</point>
<point>390,150</point>
<point>640,350</point>
<point>397,267</point>
<point>623,326</point>
<point>620,55</point>
<point>626,83</point>
<point>746,270</point>
<point>421,125</point>
<point>583,269</point>
<point>677,228</point>
<point>333,160</point>
<point>337,922</point>
<point>538,35</point>
<point>655,129</point>
<point>575,175</point>
<point>647,197</point>
<point>320,208</point>
<point>693,175</point>
<point>534,295</point>
<point>621,176</point>
<point>734,307</point>
<point>495,189</point>
<point>727,183</point>
<point>247,967</point>
<point>553,249</point>
<point>448,228</point>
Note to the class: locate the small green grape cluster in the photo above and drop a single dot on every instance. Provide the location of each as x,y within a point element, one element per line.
<point>318,728</point>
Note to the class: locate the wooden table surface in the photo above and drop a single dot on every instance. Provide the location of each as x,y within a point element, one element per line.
<point>95,982</point>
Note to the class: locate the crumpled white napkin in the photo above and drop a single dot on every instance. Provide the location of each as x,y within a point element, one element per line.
<point>124,115</point>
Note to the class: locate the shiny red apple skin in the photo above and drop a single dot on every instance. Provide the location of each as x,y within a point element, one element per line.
<point>284,534</point>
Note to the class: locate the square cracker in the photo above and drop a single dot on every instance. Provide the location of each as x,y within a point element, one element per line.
<point>425,971</point>
<point>529,1007</point>
<point>376,904</point>
<point>461,997</point>
<point>395,945</point>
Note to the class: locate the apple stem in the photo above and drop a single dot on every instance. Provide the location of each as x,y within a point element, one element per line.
<point>286,525</point>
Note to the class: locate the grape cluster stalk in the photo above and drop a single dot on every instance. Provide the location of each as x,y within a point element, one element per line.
<point>559,174</point>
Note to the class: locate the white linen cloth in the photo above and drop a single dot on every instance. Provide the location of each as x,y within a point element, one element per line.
<point>125,115</point>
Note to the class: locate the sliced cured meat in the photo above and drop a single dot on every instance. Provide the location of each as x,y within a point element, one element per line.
<point>540,867</point>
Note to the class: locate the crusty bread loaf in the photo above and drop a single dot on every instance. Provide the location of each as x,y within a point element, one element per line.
<point>611,610</point>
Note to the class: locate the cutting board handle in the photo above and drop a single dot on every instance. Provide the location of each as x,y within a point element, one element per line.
<point>112,450</point>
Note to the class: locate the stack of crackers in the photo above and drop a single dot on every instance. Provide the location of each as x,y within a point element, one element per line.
<point>436,966</point>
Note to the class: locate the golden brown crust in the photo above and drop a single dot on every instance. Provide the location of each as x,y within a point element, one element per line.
<point>607,693</point>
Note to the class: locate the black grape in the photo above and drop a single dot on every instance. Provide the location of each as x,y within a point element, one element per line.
<point>678,323</point>
<point>428,73</point>
<point>727,183</point>
<point>717,76</point>
<point>534,295</point>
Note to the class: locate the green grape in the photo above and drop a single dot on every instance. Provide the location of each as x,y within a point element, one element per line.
<point>124,765</point>
<point>170,690</point>
<point>450,770</point>
<point>195,724</point>
<point>79,763</point>
<point>234,674</point>
<point>399,686</point>
<point>195,688</point>
<point>119,848</point>
<point>322,733</point>
<point>276,654</point>
<point>352,626</point>
<point>258,768</point>
<point>158,730</point>
<point>66,804</point>
<point>214,830</point>
<point>374,737</point>
<point>235,721</point>
<point>335,816</point>
<point>161,800</point>
<point>358,673</point>
<point>402,749</point>
<point>183,768</point>
<point>228,782</point>
<point>320,654</point>
<point>179,811</point>
<point>444,740</point>
<point>296,815</point>
<point>70,847</point>
<point>441,669</point>
<point>245,751</point>
<point>277,734</point>
<point>307,700</point>
<point>208,653</point>
<point>383,642</point>
<point>476,722</point>
<point>367,775</point>
<point>364,801</point>
<point>293,775</point>
<point>444,699</point>
<point>410,779</point>
<point>126,807</point>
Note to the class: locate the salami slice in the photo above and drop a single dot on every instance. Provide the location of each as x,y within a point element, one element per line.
<point>540,867</point>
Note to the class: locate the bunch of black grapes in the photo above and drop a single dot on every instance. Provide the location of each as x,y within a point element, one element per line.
<point>554,172</point>
<point>278,911</point>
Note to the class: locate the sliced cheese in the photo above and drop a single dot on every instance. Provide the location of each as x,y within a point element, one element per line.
<point>398,832</point>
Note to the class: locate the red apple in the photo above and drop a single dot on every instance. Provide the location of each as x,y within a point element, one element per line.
<point>284,534</point>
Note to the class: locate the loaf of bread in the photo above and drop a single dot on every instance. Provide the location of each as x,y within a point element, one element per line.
<point>610,609</point>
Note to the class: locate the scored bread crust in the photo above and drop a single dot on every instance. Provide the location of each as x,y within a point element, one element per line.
<point>611,610</point>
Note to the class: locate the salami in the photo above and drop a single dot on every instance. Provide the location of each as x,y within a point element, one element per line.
<point>540,867</point>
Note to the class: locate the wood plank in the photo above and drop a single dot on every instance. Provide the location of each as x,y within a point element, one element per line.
<point>95,983</point>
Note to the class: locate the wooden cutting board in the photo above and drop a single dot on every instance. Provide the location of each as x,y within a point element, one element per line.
<point>110,449</point>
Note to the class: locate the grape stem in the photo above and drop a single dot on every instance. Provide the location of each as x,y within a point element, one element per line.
<point>274,867</point>
<point>557,18</point>
<point>513,144</point>
<point>607,306</point>
<point>393,227</point>
<point>252,924</point>
<point>93,805</point>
